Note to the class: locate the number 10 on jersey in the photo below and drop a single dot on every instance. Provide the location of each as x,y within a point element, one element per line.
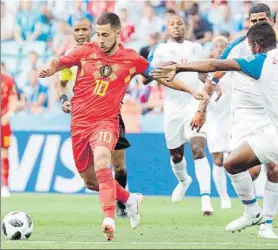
<point>101,87</point>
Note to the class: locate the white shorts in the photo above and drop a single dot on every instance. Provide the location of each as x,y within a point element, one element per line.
<point>249,126</point>
<point>265,146</point>
<point>219,134</point>
<point>178,131</point>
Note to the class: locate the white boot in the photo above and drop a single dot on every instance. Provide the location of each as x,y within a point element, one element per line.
<point>133,205</point>
<point>180,189</point>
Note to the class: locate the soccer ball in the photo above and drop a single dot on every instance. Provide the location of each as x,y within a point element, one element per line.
<point>17,226</point>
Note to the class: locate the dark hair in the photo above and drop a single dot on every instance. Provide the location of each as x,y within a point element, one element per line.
<point>83,19</point>
<point>260,7</point>
<point>194,10</point>
<point>171,11</point>
<point>109,18</point>
<point>259,32</point>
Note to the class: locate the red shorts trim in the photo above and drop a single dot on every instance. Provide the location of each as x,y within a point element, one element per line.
<point>105,133</point>
<point>6,136</point>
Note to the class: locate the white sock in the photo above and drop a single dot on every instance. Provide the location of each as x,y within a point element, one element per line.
<point>270,200</point>
<point>242,183</point>
<point>220,181</point>
<point>203,174</point>
<point>254,186</point>
<point>179,169</point>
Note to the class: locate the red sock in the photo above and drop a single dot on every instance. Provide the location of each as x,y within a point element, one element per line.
<point>122,194</point>
<point>107,191</point>
<point>5,171</point>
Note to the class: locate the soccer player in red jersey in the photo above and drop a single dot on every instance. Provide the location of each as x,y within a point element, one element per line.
<point>105,69</point>
<point>82,32</point>
<point>8,107</point>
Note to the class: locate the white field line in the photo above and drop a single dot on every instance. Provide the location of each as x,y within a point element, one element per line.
<point>142,243</point>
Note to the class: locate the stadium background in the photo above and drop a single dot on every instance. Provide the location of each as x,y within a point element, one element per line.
<point>32,32</point>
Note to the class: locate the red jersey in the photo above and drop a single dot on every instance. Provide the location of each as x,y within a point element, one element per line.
<point>101,82</point>
<point>7,90</point>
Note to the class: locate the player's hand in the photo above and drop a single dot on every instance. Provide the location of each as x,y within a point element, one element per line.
<point>218,91</point>
<point>5,120</point>
<point>43,73</point>
<point>201,95</point>
<point>198,121</point>
<point>66,106</point>
<point>167,72</point>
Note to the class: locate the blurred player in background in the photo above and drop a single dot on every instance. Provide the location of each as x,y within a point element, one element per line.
<point>178,111</point>
<point>105,69</point>
<point>258,148</point>
<point>82,31</point>
<point>219,126</point>
<point>8,108</point>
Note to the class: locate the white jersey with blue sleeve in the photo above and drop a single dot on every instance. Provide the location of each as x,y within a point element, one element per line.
<point>248,114</point>
<point>245,99</point>
<point>263,68</point>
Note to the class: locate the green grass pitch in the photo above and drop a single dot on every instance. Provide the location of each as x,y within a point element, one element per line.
<point>74,221</point>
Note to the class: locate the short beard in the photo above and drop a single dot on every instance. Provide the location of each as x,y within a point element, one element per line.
<point>179,39</point>
<point>112,47</point>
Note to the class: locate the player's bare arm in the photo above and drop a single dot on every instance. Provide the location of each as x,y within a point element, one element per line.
<point>52,67</point>
<point>169,72</point>
<point>181,86</point>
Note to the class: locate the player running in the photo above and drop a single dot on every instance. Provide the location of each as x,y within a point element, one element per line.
<point>249,117</point>
<point>178,111</point>
<point>82,32</point>
<point>219,127</point>
<point>257,149</point>
<point>105,69</point>
<point>8,108</point>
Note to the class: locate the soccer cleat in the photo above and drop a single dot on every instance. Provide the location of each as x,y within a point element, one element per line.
<point>133,209</point>
<point>245,221</point>
<point>266,232</point>
<point>207,209</point>
<point>226,203</point>
<point>108,228</point>
<point>120,208</point>
<point>180,190</point>
<point>5,193</point>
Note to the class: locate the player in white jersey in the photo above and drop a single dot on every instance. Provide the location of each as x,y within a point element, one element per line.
<point>219,126</point>
<point>259,148</point>
<point>178,110</point>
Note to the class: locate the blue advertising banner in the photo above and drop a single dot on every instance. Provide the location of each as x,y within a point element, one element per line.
<point>43,162</point>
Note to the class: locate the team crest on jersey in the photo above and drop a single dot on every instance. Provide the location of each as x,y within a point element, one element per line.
<point>105,71</point>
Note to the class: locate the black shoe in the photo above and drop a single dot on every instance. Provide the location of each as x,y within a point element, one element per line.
<point>120,207</point>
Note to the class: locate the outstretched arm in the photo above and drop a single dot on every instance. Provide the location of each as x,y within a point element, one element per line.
<point>52,67</point>
<point>169,72</point>
<point>209,66</point>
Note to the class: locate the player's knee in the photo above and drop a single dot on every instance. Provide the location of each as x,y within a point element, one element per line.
<point>272,172</point>
<point>218,161</point>
<point>255,172</point>
<point>176,158</point>
<point>231,166</point>
<point>92,185</point>
<point>102,161</point>
<point>120,171</point>
<point>197,152</point>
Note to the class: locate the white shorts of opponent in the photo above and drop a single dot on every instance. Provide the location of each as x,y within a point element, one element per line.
<point>219,134</point>
<point>265,145</point>
<point>178,131</point>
